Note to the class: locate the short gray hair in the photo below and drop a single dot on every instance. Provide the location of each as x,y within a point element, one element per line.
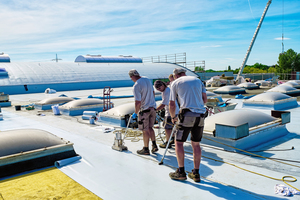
<point>178,71</point>
<point>133,72</point>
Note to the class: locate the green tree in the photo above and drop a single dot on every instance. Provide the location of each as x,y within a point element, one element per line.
<point>210,70</point>
<point>229,68</point>
<point>261,66</point>
<point>272,69</point>
<point>288,61</point>
<point>199,69</point>
<point>252,69</point>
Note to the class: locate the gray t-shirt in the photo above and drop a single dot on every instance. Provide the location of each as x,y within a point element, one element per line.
<point>166,100</point>
<point>143,91</point>
<point>189,90</point>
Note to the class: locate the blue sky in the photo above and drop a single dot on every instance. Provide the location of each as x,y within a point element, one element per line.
<point>218,31</point>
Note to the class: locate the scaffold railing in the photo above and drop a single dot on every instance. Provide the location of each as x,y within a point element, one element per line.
<point>177,58</point>
<point>195,66</point>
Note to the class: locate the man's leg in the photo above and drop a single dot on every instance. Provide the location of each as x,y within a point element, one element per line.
<point>143,127</point>
<point>179,174</point>
<point>151,133</point>
<point>196,138</point>
<point>197,158</point>
<point>179,153</point>
<point>168,134</point>
<point>146,137</point>
<point>197,154</point>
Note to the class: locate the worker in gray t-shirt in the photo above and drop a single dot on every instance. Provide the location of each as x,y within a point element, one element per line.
<point>145,106</point>
<point>167,124</point>
<point>192,98</point>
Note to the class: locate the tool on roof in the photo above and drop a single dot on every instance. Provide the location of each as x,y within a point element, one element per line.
<point>119,141</point>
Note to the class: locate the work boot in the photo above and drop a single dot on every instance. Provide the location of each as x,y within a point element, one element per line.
<point>164,145</point>
<point>195,177</point>
<point>143,151</point>
<point>172,141</point>
<point>154,149</point>
<point>178,176</point>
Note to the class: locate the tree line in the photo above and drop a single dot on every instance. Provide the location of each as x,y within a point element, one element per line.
<point>287,62</point>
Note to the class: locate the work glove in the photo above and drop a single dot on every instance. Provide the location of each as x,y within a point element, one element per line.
<point>133,116</point>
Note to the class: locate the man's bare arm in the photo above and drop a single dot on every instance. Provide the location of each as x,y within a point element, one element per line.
<point>204,97</point>
<point>137,106</point>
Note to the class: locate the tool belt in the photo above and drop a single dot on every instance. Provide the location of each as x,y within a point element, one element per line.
<point>182,116</point>
<point>145,111</point>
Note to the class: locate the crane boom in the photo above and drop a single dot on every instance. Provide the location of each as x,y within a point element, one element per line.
<point>252,42</point>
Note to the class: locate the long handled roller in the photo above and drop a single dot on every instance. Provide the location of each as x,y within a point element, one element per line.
<point>161,162</point>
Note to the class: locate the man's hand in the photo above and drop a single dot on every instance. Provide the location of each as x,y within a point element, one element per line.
<point>174,120</point>
<point>133,116</point>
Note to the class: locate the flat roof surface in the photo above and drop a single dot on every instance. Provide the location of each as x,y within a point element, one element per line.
<point>114,175</point>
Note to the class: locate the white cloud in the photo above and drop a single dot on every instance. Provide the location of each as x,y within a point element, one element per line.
<point>280,38</point>
<point>206,30</point>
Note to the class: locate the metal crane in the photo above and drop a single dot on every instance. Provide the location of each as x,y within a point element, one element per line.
<point>252,42</point>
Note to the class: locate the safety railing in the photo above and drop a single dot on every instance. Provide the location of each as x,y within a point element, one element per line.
<point>177,58</point>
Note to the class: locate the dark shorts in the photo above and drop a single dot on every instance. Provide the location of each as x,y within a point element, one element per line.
<point>194,125</point>
<point>146,119</point>
<point>167,124</point>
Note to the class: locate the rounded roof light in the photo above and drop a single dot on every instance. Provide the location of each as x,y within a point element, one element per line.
<point>81,103</point>
<point>262,83</point>
<point>236,118</point>
<point>23,140</point>
<point>291,84</point>
<point>294,81</point>
<point>210,94</point>
<point>269,97</point>
<point>283,89</point>
<point>248,85</point>
<point>229,89</point>
<point>55,100</point>
<point>121,110</point>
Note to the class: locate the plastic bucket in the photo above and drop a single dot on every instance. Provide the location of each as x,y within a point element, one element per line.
<point>18,107</point>
<point>55,110</point>
<point>92,120</point>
